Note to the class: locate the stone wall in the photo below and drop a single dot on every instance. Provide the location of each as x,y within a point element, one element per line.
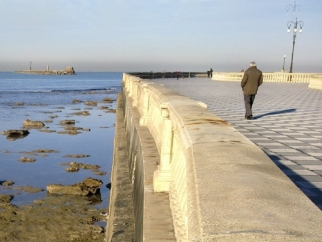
<point>220,186</point>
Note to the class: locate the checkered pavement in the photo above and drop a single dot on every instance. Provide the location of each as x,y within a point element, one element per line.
<point>287,123</point>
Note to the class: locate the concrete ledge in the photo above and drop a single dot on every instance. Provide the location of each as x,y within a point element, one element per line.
<point>223,188</point>
<point>120,225</point>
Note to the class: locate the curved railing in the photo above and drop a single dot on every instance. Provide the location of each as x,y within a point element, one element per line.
<point>267,77</point>
<point>316,82</point>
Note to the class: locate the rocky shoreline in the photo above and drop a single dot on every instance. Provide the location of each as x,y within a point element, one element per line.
<point>67,212</point>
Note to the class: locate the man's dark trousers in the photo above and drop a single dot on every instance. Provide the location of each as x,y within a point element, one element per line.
<point>249,100</point>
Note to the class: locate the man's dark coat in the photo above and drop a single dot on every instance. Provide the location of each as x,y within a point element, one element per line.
<point>252,79</point>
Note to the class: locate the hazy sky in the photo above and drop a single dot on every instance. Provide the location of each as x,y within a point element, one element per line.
<point>146,35</point>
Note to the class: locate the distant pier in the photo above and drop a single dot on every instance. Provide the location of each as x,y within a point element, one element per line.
<point>67,71</point>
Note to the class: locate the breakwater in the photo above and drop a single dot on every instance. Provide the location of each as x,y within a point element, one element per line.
<point>217,183</point>
<point>67,71</point>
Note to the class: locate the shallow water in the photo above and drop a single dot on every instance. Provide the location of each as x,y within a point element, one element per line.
<point>46,96</point>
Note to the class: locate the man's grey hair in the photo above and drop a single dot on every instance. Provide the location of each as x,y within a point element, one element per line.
<point>253,63</point>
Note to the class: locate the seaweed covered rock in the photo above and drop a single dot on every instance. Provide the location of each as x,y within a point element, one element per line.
<point>89,186</point>
<point>29,123</point>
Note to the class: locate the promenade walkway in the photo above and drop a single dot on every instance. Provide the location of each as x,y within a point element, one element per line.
<point>287,123</point>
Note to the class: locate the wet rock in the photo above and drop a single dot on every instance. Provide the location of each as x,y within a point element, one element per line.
<point>76,128</point>
<point>53,218</point>
<point>91,103</point>
<point>14,134</point>
<point>6,183</point>
<point>76,101</point>
<point>26,159</point>
<point>67,121</point>
<point>45,151</point>
<point>87,187</point>
<point>77,156</point>
<point>103,107</point>
<point>71,132</point>
<point>29,123</point>
<point>111,111</point>
<point>5,198</point>
<point>83,113</point>
<point>72,169</point>
<point>100,173</point>
<point>47,130</point>
<point>53,116</point>
<point>77,165</point>
<point>107,100</point>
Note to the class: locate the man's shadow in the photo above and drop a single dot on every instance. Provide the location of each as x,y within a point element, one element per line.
<point>275,113</point>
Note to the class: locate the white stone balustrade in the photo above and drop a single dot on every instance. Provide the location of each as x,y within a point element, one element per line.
<point>316,82</point>
<point>267,77</point>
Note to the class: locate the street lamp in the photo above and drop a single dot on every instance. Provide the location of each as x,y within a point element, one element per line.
<point>295,24</point>
<point>283,70</point>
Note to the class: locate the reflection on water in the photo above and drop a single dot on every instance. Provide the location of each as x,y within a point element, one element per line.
<point>95,199</point>
<point>15,136</point>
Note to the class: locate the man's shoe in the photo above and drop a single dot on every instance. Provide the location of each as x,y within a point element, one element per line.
<point>250,117</point>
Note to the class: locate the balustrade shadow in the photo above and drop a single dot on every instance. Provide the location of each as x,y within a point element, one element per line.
<point>316,193</point>
<point>275,113</point>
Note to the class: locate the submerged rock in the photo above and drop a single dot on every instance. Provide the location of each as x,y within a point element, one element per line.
<point>29,189</point>
<point>89,186</point>
<point>76,156</point>
<point>91,103</point>
<point>107,100</point>
<point>83,113</point>
<point>76,101</point>
<point>67,121</point>
<point>71,132</point>
<point>45,151</point>
<point>26,159</point>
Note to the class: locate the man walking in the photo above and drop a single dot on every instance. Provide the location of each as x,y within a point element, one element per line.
<point>252,79</point>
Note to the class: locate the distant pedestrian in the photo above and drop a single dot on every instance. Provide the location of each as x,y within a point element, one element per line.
<point>251,80</point>
<point>211,72</point>
<point>208,73</point>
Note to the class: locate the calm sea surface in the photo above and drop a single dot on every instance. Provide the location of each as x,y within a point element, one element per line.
<point>49,99</point>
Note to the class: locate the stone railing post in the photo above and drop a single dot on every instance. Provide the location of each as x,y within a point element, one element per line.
<point>162,177</point>
<point>144,117</point>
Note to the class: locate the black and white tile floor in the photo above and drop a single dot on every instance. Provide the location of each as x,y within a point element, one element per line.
<point>287,123</point>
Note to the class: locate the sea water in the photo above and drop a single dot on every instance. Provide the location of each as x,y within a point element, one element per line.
<point>49,98</point>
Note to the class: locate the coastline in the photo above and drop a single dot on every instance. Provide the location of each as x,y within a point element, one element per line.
<point>25,210</point>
